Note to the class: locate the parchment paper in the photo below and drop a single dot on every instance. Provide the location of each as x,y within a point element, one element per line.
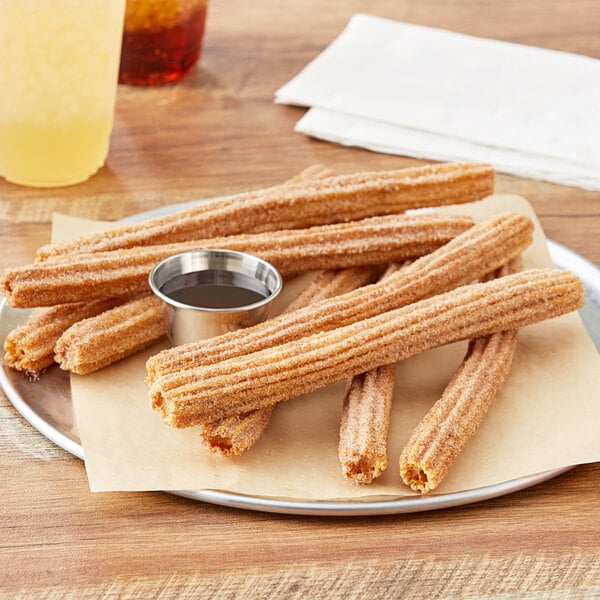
<point>547,416</point>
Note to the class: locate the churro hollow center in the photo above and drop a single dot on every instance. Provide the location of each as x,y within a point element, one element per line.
<point>415,477</point>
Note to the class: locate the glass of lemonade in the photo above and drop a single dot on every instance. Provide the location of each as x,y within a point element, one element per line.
<point>162,40</point>
<point>58,82</point>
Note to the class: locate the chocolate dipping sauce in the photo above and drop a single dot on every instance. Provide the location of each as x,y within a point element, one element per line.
<point>215,289</point>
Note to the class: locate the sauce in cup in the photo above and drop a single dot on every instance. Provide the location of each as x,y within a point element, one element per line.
<point>209,292</point>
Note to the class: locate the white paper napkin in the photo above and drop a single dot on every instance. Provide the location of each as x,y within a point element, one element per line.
<point>412,90</point>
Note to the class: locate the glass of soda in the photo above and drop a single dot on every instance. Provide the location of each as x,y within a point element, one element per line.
<point>162,40</point>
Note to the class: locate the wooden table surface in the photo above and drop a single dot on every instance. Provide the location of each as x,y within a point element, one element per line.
<point>219,132</point>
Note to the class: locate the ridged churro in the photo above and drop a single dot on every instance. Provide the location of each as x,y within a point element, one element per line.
<point>441,435</point>
<point>30,347</point>
<point>300,205</point>
<point>263,378</point>
<point>93,343</point>
<point>235,435</point>
<point>365,420</point>
<point>474,253</point>
<point>376,240</point>
<point>365,423</point>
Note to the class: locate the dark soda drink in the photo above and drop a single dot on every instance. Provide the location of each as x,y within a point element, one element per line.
<point>162,40</point>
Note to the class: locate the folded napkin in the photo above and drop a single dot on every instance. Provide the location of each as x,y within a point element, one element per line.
<point>428,93</point>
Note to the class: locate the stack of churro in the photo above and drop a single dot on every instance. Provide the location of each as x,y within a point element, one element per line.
<point>361,333</point>
<point>356,320</point>
<point>315,221</point>
<point>478,251</point>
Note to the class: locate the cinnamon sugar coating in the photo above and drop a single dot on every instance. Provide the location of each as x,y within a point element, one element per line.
<point>365,420</point>
<point>441,435</point>
<point>365,423</point>
<point>30,347</point>
<point>93,343</point>
<point>235,435</point>
<point>299,205</point>
<point>334,282</point>
<point>372,241</point>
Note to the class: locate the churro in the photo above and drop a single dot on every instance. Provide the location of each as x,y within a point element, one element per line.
<point>376,240</point>
<point>365,420</point>
<point>235,435</point>
<point>474,253</point>
<point>262,378</point>
<point>300,205</point>
<point>30,347</point>
<point>441,435</point>
<point>93,343</point>
<point>365,423</point>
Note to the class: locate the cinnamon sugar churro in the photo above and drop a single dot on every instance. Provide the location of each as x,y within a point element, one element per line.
<point>93,343</point>
<point>365,420</point>
<point>365,423</point>
<point>234,435</point>
<point>30,347</point>
<point>300,205</point>
<point>263,378</point>
<point>376,240</point>
<point>442,434</point>
<point>479,250</point>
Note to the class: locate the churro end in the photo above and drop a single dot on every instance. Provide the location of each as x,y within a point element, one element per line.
<point>219,444</point>
<point>416,478</point>
<point>364,469</point>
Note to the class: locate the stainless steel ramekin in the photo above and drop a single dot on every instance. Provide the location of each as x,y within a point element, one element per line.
<point>185,323</point>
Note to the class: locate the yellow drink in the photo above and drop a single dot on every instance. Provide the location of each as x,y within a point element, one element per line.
<point>57,87</point>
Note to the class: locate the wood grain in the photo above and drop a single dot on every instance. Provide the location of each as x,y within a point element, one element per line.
<point>216,133</point>
<point>547,577</point>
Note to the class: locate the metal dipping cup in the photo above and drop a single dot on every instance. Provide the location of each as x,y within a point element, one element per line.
<point>185,322</point>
